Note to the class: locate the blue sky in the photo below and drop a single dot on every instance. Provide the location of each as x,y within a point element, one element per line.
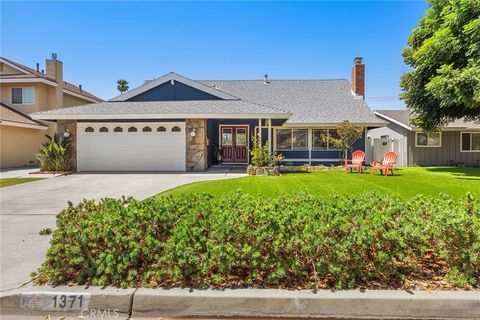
<point>101,42</point>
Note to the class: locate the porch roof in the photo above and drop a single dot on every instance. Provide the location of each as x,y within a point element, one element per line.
<point>165,110</point>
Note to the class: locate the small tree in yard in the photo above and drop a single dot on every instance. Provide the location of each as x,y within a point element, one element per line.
<point>122,86</point>
<point>348,133</point>
<point>259,154</point>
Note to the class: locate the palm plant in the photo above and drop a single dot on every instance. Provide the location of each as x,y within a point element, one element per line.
<point>55,154</point>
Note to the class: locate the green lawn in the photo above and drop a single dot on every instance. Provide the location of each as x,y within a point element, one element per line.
<point>406,182</point>
<point>7,182</point>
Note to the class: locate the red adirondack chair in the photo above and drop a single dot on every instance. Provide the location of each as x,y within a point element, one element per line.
<point>389,160</point>
<point>358,158</point>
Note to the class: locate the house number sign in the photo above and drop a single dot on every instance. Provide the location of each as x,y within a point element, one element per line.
<point>55,301</point>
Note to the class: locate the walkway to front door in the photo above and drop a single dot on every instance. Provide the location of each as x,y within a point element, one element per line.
<point>234,143</point>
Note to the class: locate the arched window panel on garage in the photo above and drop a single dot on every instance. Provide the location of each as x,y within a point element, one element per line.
<point>176,129</point>
<point>132,129</point>
<point>89,129</point>
<point>118,129</point>
<point>147,129</point>
<point>103,129</point>
<point>161,129</point>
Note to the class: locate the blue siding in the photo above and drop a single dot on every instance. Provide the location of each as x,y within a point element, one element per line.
<point>169,92</point>
<point>213,126</point>
<point>325,155</point>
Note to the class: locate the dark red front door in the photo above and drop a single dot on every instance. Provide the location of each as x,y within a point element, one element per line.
<point>234,143</point>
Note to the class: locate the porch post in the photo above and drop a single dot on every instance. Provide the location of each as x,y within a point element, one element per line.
<point>260,130</point>
<point>269,136</point>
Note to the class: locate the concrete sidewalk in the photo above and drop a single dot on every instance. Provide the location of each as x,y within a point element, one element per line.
<point>27,208</point>
<point>233,303</point>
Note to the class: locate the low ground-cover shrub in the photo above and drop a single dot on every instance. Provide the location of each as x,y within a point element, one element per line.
<point>301,241</point>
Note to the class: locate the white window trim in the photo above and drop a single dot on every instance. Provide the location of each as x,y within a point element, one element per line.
<point>427,146</point>
<point>470,133</point>
<point>23,104</point>
<point>291,134</point>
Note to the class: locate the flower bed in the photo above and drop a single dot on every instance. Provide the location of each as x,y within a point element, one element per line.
<point>370,240</point>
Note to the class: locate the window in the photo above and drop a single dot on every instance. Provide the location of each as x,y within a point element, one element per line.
<point>132,129</point>
<point>318,139</point>
<point>292,139</point>
<point>300,138</point>
<point>103,129</point>
<point>23,95</point>
<point>241,136</point>
<point>470,142</point>
<point>161,129</point>
<point>147,129</point>
<point>176,129</point>
<point>118,129</point>
<point>89,129</point>
<point>227,137</point>
<point>284,139</point>
<point>428,139</point>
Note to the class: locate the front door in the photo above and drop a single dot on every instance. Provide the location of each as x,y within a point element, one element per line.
<point>234,143</point>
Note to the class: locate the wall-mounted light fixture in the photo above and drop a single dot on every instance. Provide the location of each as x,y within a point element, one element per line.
<point>193,133</point>
<point>66,134</point>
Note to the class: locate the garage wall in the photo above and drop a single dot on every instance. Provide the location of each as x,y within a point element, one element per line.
<point>196,153</point>
<point>19,145</point>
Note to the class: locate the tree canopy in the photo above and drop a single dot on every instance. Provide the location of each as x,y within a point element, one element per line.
<point>122,86</point>
<point>444,53</point>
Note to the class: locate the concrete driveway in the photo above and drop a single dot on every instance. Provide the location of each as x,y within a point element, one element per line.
<point>27,208</point>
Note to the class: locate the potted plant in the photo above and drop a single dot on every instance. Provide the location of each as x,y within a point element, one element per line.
<point>217,154</point>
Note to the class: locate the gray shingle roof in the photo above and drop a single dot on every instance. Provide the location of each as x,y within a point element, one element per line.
<point>310,101</point>
<point>406,115</point>
<point>161,108</point>
<point>302,102</point>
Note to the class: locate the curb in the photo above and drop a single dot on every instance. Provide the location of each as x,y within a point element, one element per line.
<point>352,304</point>
<point>79,301</point>
<point>115,303</point>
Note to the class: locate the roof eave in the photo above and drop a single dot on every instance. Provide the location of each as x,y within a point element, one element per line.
<point>333,124</point>
<point>23,125</point>
<point>40,116</point>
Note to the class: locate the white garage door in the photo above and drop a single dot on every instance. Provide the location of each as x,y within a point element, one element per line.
<point>132,146</point>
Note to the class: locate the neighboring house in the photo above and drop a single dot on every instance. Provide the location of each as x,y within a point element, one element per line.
<point>24,91</point>
<point>173,123</point>
<point>458,143</point>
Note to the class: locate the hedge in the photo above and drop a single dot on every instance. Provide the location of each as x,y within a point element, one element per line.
<point>370,240</point>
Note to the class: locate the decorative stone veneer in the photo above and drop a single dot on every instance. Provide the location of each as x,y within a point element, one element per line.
<point>71,127</point>
<point>196,152</point>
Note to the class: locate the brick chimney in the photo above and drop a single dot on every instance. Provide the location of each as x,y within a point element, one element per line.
<point>55,72</point>
<point>358,78</point>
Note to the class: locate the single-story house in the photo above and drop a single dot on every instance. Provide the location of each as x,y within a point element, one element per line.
<point>174,123</point>
<point>458,143</point>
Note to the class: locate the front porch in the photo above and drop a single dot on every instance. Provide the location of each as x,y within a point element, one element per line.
<point>233,137</point>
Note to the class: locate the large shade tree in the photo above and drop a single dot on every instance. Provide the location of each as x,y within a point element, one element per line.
<point>444,53</point>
